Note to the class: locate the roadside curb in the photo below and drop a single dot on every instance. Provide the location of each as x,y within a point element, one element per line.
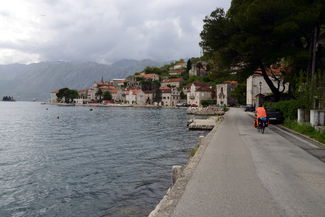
<point>319,144</point>
<point>315,142</point>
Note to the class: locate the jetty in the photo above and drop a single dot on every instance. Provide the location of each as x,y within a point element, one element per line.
<point>203,124</point>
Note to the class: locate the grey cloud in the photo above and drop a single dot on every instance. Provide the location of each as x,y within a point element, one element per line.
<point>106,31</point>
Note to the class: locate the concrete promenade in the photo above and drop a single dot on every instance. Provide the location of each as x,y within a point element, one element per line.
<point>243,173</point>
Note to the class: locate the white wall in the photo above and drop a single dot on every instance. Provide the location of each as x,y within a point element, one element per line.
<point>253,88</point>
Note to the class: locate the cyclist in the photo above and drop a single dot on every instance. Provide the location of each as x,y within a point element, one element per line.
<point>261,117</point>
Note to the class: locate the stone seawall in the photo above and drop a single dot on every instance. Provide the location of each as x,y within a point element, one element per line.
<point>205,111</point>
<point>180,177</point>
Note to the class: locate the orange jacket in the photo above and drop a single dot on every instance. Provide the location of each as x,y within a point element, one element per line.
<point>261,112</point>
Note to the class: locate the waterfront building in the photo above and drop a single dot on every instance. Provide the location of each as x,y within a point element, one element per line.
<point>118,95</point>
<point>139,97</point>
<point>83,97</point>
<point>91,94</point>
<point>199,91</point>
<point>170,96</point>
<point>257,88</point>
<point>54,98</point>
<point>223,92</point>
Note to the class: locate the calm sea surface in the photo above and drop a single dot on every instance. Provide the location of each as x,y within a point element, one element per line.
<point>106,162</point>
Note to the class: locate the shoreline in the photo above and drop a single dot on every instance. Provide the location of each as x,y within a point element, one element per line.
<point>116,105</point>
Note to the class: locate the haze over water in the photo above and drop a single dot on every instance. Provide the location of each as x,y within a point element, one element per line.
<point>106,162</point>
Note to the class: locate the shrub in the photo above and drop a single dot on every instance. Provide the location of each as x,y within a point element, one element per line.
<point>225,109</point>
<point>288,108</point>
<point>208,102</point>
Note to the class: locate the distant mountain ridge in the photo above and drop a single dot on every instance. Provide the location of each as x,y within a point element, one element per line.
<point>37,80</point>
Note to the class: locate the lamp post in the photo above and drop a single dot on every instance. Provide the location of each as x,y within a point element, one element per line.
<point>260,87</point>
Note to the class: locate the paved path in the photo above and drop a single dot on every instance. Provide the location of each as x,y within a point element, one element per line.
<point>245,174</point>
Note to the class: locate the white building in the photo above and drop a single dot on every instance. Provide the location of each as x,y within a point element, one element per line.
<point>139,97</point>
<point>256,85</point>
<point>91,94</point>
<point>199,91</point>
<point>224,93</point>
<point>118,95</point>
<point>169,96</point>
<point>179,65</point>
<point>54,98</point>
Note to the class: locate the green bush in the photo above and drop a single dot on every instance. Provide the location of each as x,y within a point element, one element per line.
<point>208,102</point>
<point>225,109</point>
<point>289,108</point>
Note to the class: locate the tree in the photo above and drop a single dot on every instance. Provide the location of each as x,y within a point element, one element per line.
<point>188,65</point>
<point>99,94</point>
<point>67,94</point>
<point>239,93</point>
<point>107,95</point>
<point>262,33</point>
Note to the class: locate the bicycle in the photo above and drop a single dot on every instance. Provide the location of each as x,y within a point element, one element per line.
<point>262,123</point>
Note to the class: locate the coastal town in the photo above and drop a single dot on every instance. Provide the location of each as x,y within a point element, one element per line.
<point>162,108</point>
<point>182,85</point>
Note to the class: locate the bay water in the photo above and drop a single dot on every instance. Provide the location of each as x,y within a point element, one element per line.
<point>70,161</point>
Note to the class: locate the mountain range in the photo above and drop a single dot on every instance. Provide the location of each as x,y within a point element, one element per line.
<point>37,80</point>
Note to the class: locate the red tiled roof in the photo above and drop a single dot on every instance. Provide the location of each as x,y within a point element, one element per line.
<point>204,89</point>
<point>107,87</point>
<point>230,82</point>
<point>165,89</point>
<point>146,76</point>
<point>135,92</point>
<point>202,86</point>
<point>82,91</point>
<point>55,91</point>
<point>172,80</point>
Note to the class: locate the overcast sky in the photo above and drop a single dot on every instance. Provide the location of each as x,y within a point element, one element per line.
<point>103,31</point>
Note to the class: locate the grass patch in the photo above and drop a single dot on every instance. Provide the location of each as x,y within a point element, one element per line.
<point>194,150</point>
<point>305,129</point>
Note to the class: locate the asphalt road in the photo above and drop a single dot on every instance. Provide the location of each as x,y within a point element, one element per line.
<point>244,173</point>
